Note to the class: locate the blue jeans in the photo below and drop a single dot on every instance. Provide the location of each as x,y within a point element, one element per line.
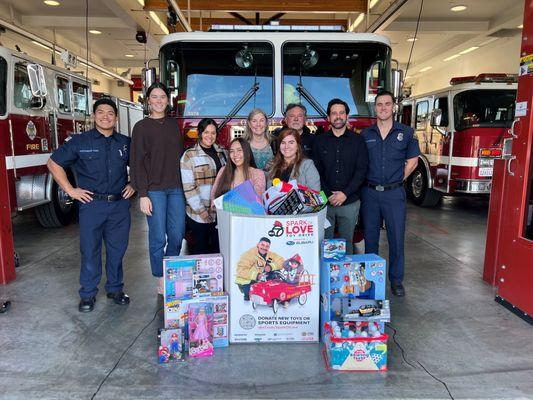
<point>166,226</point>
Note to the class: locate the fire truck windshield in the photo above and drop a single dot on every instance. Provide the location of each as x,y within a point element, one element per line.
<point>484,108</point>
<point>351,71</point>
<point>3,86</point>
<point>209,79</point>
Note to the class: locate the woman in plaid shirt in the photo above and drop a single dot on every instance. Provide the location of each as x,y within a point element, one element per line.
<point>199,167</point>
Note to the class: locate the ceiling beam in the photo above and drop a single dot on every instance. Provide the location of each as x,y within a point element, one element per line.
<point>449,26</point>
<point>263,5</point>
<point>47,21</point>
<point>117,63</point>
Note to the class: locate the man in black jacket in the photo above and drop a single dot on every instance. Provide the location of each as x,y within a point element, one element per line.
<point>295,117</point>
<point>341,158</point>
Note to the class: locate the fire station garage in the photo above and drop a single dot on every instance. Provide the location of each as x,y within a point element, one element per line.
<point>144,256</point>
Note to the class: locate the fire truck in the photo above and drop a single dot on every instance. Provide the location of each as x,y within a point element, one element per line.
<point>226,72</point>
<point>40,106</point>
<point>460,130</point>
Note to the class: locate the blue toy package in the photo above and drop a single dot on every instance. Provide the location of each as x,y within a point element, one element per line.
<point>333,249</point>
<point>352,286</point>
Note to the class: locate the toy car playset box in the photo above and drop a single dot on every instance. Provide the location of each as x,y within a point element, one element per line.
<point>355,346</point>
<point>351,285</point>
<point>177,312</point>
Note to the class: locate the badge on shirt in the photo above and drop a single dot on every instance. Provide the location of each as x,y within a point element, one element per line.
<point>400,136</point>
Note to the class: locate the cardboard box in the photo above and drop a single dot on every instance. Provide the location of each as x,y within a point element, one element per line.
<point>354,353</point>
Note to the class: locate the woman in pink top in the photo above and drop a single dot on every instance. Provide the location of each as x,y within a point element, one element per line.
<point>240,168</point>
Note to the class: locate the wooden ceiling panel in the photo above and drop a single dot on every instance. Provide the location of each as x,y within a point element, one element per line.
<point>264,5</point>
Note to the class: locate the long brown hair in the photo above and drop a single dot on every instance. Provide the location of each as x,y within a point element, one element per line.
<point>228,174</point>
<point>279,165</point>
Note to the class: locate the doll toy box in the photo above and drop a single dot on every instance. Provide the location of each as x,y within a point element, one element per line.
<point>354,346</point>
<point>176,316</point>
<point>200,326</point>
<point>193,276</point>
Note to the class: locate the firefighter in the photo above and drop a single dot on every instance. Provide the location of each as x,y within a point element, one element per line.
<point>393,155</point>
<point>99,158</point>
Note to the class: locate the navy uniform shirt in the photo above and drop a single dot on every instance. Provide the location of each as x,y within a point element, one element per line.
<point>387,157</point>
<point>99,162</point>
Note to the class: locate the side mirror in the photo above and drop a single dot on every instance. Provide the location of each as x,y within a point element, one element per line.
<point>149,77</point>
<point>37,82</point>
<point>436,117</point>
<point>397,83</point>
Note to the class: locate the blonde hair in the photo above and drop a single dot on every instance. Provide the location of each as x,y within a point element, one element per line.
<point>248,134</point>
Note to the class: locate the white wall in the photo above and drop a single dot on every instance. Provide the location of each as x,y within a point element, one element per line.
<point>502,55</point>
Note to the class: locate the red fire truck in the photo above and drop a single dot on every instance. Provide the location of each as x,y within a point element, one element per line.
<point>40,106</point>
<point>225,73</point>
<point>460,130</point>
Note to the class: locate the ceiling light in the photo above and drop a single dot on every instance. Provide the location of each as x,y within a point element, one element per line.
<point>41,45</point>
<point>95,32</point>
<point>452,57</point>
<point>141,2</point>
<point>128,55</point>
<point>470,49</point>
<point>356,23</point>
<point>458,8</point>
<point>521,26</point>
<point>372,3</point>
<point>51,2</point>
<point>160,23</point>
<point>411,39</point>
<point>425,69</point>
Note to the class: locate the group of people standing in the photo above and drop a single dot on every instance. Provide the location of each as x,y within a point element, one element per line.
<point>177,187</point>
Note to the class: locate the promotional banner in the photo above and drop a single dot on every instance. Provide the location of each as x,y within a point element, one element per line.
<point>274,278</point>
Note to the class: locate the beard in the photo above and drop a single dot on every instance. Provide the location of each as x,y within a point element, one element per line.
<point>338,123</point>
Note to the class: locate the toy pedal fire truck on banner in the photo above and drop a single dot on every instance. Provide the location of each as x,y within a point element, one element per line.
<point>353,309</point>
<point>460,130</point>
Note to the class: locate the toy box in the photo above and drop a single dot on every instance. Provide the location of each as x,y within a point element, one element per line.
<point>347,349</point>
<point>333,249</point>
<point>350,283</point>
<point>200,321</point>
<point>171,345</point>
<point>176,316</point>
<point>193,276</point>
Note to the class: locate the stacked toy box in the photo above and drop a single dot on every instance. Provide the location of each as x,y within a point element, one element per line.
<point>353,309</point>
<point>195,307</point>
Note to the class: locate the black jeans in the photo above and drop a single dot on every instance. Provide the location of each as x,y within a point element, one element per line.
<point>205,237</point>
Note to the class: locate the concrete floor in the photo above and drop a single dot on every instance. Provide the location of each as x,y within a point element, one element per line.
<point>451,340</point>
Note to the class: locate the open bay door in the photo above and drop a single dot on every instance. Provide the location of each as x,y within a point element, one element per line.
<point>509,249</point>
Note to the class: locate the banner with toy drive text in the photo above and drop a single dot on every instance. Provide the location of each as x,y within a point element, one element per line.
<point>274,278</point>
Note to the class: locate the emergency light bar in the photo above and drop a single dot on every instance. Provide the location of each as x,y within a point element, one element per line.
<point>492,78</point>
<point>276,28</point>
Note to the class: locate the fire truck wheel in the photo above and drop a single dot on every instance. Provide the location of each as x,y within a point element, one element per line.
<point>418,191</point>
<point>275,306</point>
<point>302,299</point>
<point>57,213</point>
